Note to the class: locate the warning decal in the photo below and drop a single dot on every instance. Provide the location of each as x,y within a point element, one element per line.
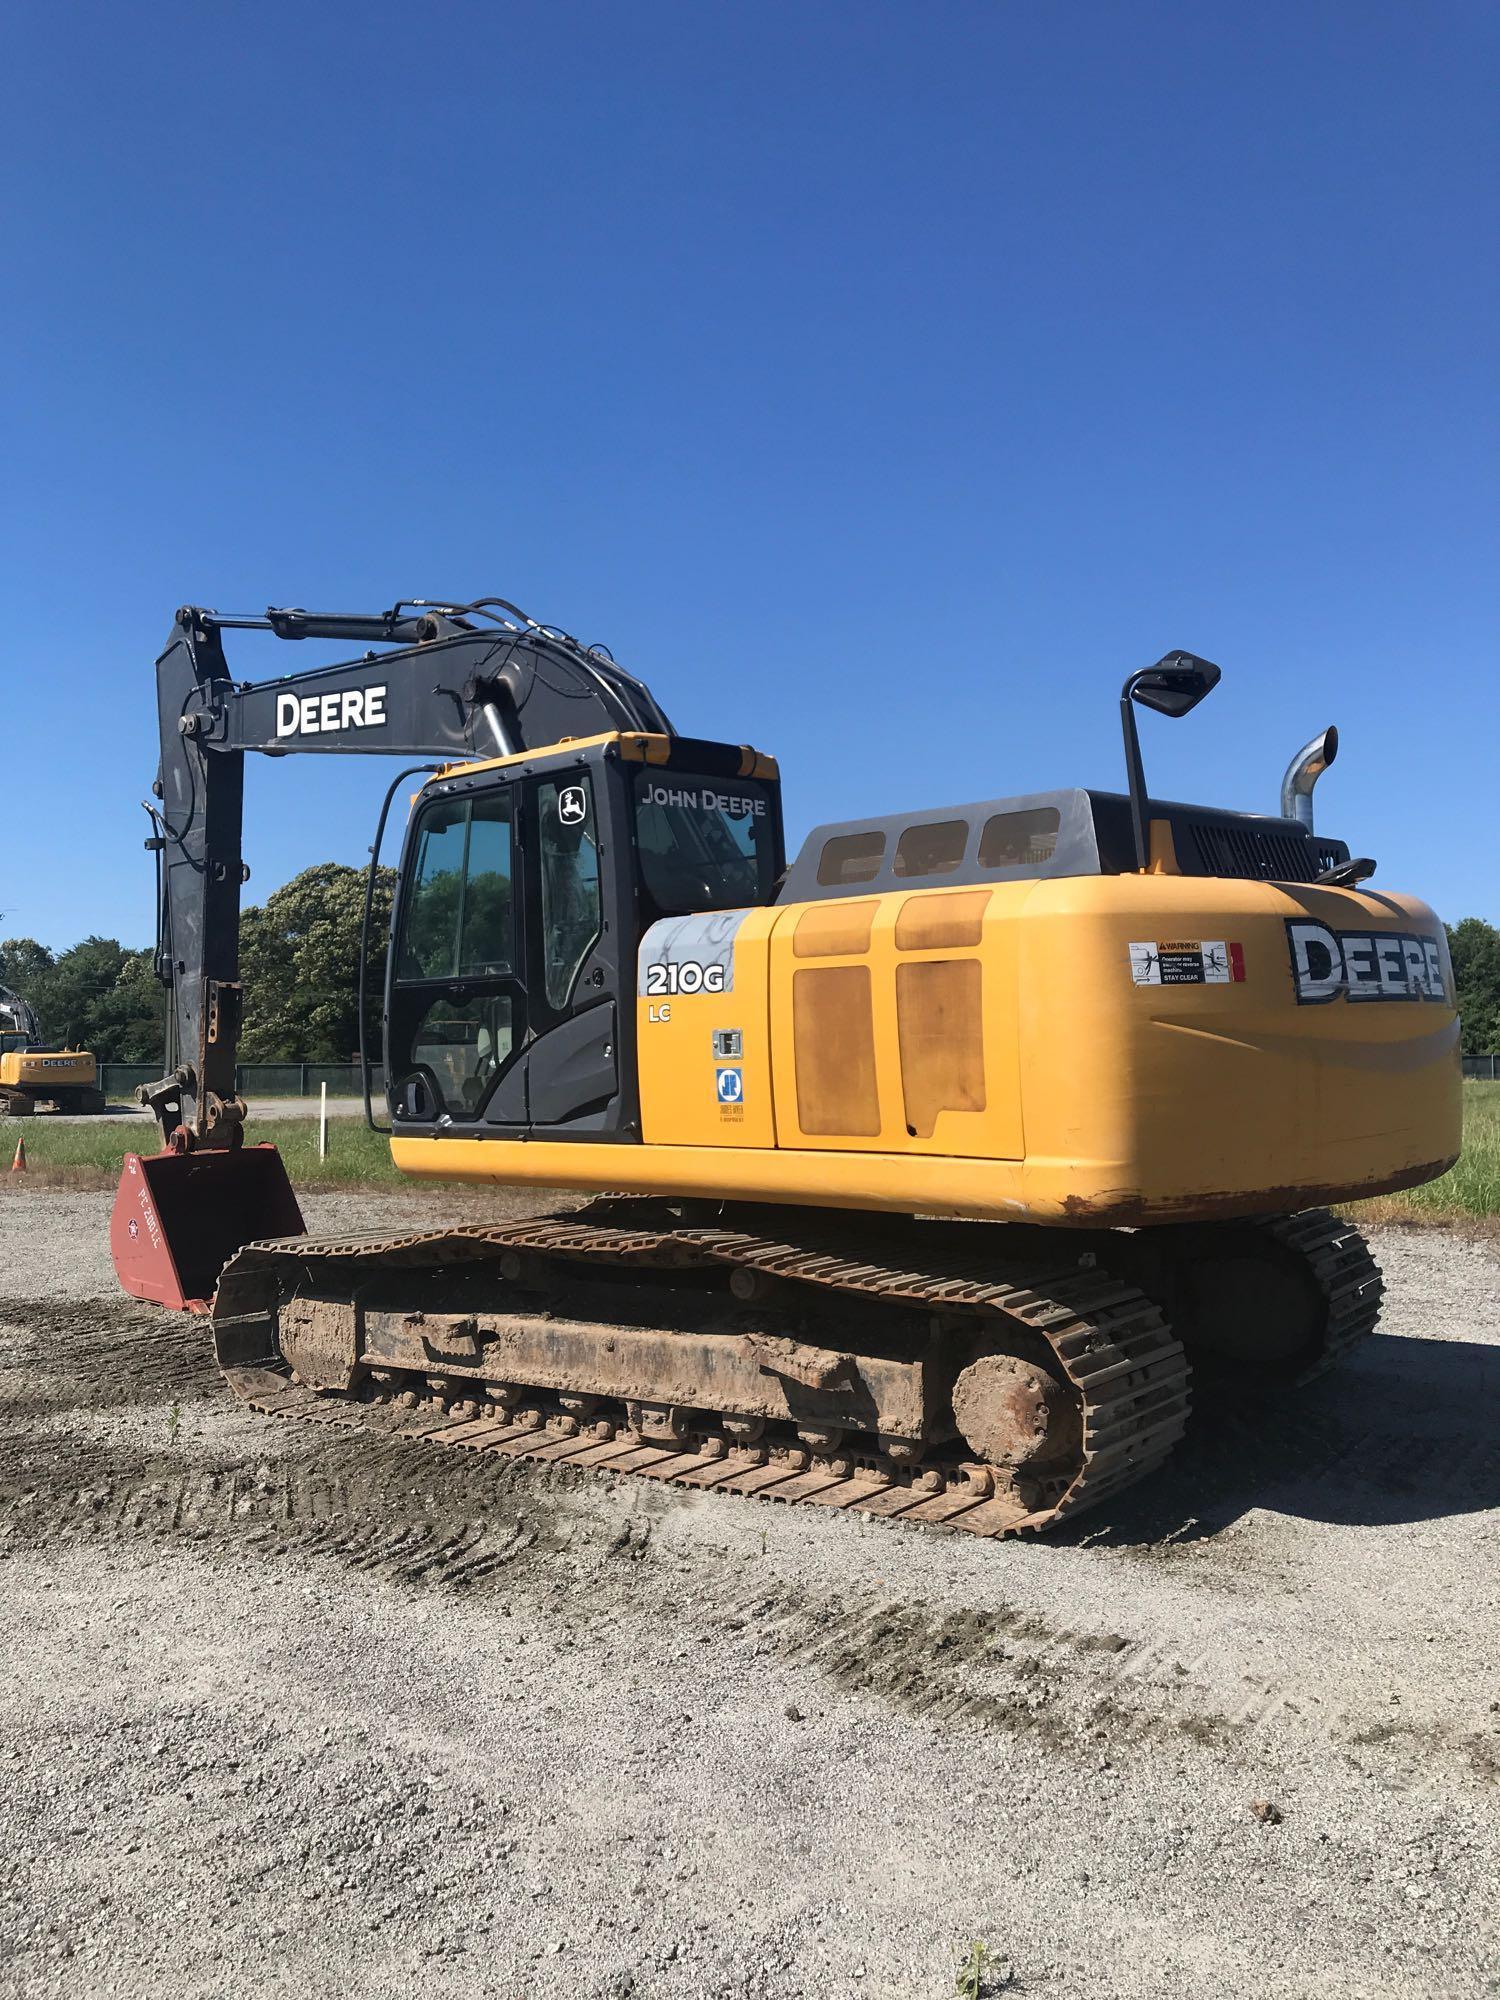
<point>1211,963</point>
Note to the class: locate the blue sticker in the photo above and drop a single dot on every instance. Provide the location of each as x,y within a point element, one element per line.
<point>731,1085</point>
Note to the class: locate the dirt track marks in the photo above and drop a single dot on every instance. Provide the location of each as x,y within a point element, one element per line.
<point>64,1355</point>
<point>73,1473</point>
<point>67,1474</point>
<point>440,1520</point>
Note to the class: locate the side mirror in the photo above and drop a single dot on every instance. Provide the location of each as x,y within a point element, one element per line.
<point>1177,682</point>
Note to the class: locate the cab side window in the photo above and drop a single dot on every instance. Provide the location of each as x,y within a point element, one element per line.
<point>572,908</point>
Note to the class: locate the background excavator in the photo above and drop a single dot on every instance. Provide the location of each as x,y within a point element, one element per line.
<point>34,1073</point>
<point>923,1169</point>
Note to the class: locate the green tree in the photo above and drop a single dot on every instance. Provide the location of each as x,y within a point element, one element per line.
<point>1475,948</point>
<point>97,995</point>
<point>25,967</point>
<point>127,1022</point>
<point>299,961</point>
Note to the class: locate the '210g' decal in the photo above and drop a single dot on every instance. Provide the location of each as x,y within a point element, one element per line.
<point>687,977</point>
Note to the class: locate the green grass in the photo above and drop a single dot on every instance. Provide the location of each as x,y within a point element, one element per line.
<point>969,1984</point>
<point>90,1155</point>
<point>1466,1193</point>
<point>980,1975</point>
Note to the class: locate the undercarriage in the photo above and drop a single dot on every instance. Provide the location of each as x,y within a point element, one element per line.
<point>991,1377</point>
<point>70,1101</point>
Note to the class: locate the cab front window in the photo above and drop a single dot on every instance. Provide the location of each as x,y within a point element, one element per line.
<point>704,843</point>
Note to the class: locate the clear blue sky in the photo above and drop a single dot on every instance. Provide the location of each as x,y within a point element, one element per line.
<point>881,382</point>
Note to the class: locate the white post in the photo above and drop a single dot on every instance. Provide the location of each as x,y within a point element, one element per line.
<point>323,1122</point>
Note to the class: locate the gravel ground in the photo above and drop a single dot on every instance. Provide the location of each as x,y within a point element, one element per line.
<point>286,1711</point>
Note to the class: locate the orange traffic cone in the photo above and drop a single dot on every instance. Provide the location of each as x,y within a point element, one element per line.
<point>18,1164</point>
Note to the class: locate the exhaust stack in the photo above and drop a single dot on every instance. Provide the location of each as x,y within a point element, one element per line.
<point>1304,771</point>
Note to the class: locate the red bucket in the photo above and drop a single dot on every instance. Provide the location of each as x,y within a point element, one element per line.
<point>180,1217</point>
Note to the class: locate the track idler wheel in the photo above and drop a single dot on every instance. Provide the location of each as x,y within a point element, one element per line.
<point>1013,1413</point>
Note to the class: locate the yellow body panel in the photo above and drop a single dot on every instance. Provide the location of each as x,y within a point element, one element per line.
<point>1162,1100</point>
<point>726,1173</point>
<point>993,1052</point>
<point>982,938</point>
<point>679,1104</point>
<point>38,1071</point>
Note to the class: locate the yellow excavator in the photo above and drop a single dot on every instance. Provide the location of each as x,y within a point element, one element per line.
<point>920,1172</point>
<point>32,1073</point>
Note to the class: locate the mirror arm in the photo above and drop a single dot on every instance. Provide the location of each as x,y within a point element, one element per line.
<point>1135,776</point>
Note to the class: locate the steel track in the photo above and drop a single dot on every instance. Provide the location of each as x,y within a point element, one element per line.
<point>1108,1339</point>
<point>1345,1273</point>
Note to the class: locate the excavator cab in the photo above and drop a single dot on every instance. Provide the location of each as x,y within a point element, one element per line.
<point>525,889</point>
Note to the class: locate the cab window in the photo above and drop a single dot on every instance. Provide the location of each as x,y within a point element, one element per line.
<point>456,922</point>
<point>461,1046</point>
<point>571,905</point>
<point>704,843</point>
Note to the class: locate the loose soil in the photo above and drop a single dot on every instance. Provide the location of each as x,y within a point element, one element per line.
<point>289,1711</point>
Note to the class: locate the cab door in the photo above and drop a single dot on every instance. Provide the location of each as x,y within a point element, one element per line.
<point>504,1013</point>
<point>572,1061</point>
<point>457,1019</point>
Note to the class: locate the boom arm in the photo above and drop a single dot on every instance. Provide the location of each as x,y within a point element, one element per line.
<point>459,682</point>
<point>17,1016</point>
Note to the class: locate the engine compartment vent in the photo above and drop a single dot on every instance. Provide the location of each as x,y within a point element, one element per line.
<point>1250,853</point>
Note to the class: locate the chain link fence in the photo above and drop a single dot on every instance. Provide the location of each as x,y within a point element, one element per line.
<point>1488,1066</point>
